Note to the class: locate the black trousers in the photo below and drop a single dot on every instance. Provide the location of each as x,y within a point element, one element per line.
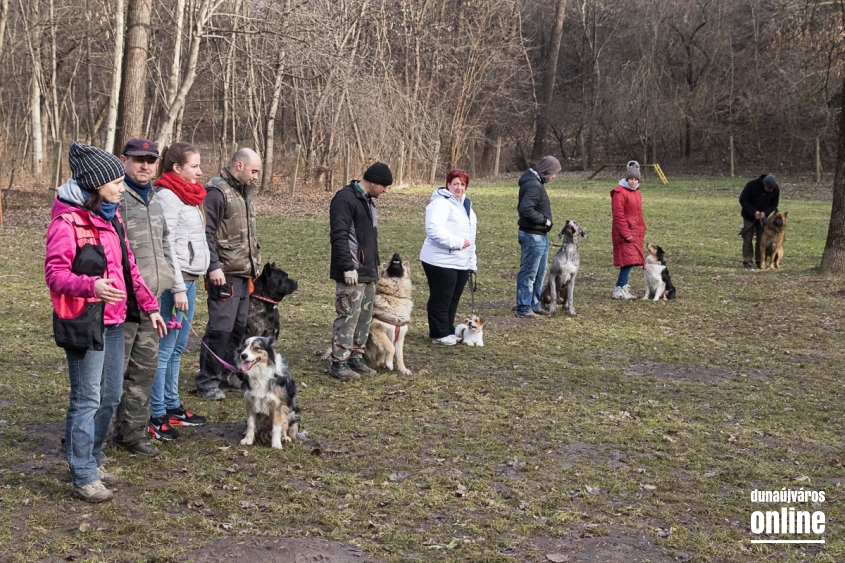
<point>223,334</point>
<point>445,286</point>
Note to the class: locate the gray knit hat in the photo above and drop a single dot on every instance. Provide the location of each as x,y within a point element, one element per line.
<point>93,167</point>
<point>633,170</point>
<point>546,167</point>
<point>379,173</point>
<point>770,181</point>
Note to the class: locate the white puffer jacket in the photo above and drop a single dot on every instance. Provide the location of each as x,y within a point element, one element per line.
<point>447,224</point>
<point>187,236</point>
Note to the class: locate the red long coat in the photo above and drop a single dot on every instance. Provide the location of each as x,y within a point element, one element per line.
<point>628,231</point>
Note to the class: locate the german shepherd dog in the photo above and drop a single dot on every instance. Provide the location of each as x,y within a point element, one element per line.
<point>564,269</point>
<point>656,274</point>
<point>269,394</point>
<point>270,288</point>
<point>771,240</point>
<point>391,314</point>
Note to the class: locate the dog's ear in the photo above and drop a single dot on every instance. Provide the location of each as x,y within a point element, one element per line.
<point>785,213</point>
<point>583,232</point>
<point>480,321</point>
<point>271,340</point>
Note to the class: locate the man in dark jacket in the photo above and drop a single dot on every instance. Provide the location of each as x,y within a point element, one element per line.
<point>235,260</point>
<point>535,220</point>
<point>354,236</point>
<point>758,199</point>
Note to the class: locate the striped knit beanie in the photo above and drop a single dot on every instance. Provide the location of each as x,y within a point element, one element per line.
<point>93,167</point>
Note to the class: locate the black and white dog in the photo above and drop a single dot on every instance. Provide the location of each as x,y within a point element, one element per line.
<point>270,288</point>
<point>564,269</point>
<point>269,394</point>
<point>656,274</point>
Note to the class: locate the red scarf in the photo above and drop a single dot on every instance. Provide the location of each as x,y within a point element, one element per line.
<point>190,194</point>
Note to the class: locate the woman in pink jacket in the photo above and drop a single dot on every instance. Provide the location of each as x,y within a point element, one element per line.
<point>628,230</point>
<point>94,286</point>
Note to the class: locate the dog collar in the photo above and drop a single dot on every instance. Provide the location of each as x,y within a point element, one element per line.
<point>262,298</point>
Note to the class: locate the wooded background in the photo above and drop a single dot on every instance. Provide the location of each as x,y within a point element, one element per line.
<point>591,81</point>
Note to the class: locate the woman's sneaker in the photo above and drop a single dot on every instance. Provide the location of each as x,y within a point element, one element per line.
<point>450,340</point>
<point>93,492</point>
<point>181,417</point>
<point>626,289</point>
<point>618,292</point>
<point>160,429</point>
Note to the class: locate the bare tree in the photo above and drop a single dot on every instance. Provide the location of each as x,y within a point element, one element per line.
<point>117,75</point>
<point>542,126</point>
<point>133,87</point>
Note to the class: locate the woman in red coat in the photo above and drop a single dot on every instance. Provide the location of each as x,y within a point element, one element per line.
<point>628,231</point>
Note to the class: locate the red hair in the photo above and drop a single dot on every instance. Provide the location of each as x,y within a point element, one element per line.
<point>457,173</point>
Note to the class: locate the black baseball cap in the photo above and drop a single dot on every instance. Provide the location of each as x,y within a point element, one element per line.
<point>140,147</point>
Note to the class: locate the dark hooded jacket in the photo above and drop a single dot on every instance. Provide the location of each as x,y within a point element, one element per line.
<point>353,224</point>
<point>755,198</point>
<point>534,207</point>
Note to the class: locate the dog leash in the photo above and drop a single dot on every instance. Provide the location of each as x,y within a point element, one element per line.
<point>225,364</point>
<point>472,284</point>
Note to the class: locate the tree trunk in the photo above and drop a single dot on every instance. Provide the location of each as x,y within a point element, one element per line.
<point>176,65</point>
<point>134,85</point>
<point>165,130</point>
<point>542,128</point>
<point>33,42</point>
<point>4,17</point>
<point>833,259</point>
<point>271,123</point>
<point>117,74</point>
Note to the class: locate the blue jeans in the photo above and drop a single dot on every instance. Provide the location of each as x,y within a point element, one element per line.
<point>96,383</point>
<point>165,392</point>
<point>624,272</point>
<point>532,270</point>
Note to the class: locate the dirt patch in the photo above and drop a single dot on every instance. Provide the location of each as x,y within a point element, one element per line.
<point>230,432</point>
<point>621,546</point>
<point>568,455</point>
<point>681,372</point>
<point>280,549</point>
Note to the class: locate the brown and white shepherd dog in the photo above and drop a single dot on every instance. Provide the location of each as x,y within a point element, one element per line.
<point>269,394</point>
<point>391,314</point>
<point>771,240</point>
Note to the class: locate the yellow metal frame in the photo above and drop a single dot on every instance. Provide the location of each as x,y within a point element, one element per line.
<point>659,172</point>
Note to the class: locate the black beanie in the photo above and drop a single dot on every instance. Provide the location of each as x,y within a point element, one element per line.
<point>93,167</point>
<point>379,173</point>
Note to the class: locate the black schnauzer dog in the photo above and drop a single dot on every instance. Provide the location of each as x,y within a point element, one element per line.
<point>270,288</point>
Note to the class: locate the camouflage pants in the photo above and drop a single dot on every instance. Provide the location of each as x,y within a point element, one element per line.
<point>139,370</point>
<point>354,306</point>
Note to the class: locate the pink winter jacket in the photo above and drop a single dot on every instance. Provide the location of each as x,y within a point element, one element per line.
<point>61,250</point>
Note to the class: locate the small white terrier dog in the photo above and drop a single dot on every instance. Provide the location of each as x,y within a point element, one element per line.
<point>471,332</point>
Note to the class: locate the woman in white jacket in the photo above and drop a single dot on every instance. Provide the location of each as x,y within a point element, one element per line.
<point>181,197</point>
<point>448,254</point>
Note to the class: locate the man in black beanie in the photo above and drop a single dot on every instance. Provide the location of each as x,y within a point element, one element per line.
<point>353,224</point>
<point>759,199</point>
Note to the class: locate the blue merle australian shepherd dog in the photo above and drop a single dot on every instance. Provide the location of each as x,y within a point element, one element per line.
<point>269,394</point>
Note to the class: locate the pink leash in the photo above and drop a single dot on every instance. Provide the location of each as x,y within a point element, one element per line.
<point>210,351</point>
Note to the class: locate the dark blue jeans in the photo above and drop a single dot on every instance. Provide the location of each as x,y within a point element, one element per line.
<point>624,272</point>
<point>96,384</point>
<point>532,270</point>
